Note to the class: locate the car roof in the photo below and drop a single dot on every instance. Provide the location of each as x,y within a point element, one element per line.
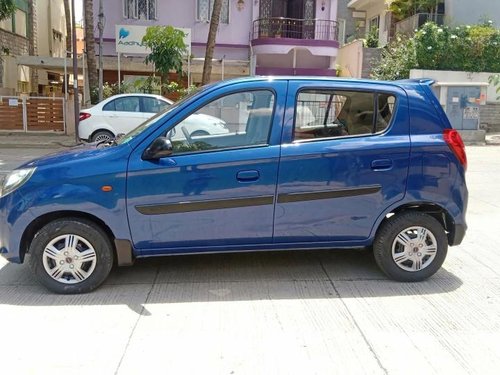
<point>138,94</point>
<point>357,81</point>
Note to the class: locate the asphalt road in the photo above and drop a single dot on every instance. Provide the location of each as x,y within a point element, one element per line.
<point>12,157</point>
<point>321,312</point>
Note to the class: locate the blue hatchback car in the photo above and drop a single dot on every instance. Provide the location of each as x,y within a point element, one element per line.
<point>306,163</point>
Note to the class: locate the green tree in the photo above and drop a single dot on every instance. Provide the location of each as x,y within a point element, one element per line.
<point>7,9</point>
<point>167,50</point>
<point>402,9</point>
<point>470,48</point>
<point>495,81</point>
<point>397,60</point>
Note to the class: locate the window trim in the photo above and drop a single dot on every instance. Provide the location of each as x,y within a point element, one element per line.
<point>375,93</point>
<point>209,16</point>
<point>123,97</point>
<point>135,15</point>
<point>217,97</point>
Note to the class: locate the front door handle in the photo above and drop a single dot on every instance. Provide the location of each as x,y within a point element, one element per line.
<point>382,164</point>
<point>247,176</point>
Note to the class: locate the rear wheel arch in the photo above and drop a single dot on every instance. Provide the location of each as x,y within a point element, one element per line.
<point>410,246</point>
<point>436,211</point>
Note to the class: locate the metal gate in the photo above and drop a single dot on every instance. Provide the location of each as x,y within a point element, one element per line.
<point>28,113</point>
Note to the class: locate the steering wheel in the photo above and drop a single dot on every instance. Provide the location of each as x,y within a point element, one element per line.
<point>189,140</point>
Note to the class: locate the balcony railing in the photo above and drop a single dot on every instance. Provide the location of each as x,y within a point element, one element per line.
<point>410,24</point>
<point>293,28</point>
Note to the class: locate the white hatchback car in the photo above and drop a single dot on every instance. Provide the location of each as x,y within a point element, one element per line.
<point>123,113</point>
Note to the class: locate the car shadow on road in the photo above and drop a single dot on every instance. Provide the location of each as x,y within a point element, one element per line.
<point>229,277</point>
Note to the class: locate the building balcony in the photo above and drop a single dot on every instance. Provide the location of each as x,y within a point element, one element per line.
<point>290,46</point>
<point>410,24</point>
<point>319,36</point>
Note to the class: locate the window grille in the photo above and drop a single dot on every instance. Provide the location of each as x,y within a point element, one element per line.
<point>140,9</point>
<point>204,10</point>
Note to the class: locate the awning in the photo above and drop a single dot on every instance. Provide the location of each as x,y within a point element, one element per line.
<point>49,63</point>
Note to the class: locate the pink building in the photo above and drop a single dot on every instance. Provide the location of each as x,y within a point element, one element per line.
<point>254,37</point>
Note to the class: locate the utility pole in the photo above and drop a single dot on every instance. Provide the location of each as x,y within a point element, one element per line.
<point>75,71</point>
<point>100,26</point>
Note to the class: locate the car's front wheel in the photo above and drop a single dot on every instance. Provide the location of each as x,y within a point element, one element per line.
<point>410,246</point>
<point>71,256</point>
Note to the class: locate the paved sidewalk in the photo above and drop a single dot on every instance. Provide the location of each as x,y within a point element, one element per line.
<point>50,140</point>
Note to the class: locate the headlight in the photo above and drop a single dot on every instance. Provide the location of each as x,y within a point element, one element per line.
<point>14,180</point>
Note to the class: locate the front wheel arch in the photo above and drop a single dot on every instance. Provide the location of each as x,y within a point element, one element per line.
<point>71,255</point>
<point>41,221</point>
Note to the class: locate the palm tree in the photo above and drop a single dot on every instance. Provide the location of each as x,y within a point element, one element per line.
<point>90,45</point>
<point>212,34</point>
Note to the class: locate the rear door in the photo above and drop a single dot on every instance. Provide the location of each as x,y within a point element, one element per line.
<point>344,165</point>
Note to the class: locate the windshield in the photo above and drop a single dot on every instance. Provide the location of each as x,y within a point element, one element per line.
<point>132,134</point>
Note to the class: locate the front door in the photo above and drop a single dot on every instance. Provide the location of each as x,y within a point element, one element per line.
<point>346,161</point>
<point>214,191</point>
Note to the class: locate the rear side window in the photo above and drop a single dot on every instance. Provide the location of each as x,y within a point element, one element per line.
<point>338,113</point>
<point>125,104</point>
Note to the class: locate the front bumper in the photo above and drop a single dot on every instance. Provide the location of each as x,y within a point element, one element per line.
<point>14,220</point>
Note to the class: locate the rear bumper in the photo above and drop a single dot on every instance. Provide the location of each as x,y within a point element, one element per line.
<point>457,235</point>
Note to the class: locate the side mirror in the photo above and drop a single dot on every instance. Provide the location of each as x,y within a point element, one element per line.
<point>160,148</point>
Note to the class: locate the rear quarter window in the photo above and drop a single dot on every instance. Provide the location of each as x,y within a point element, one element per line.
<point>340,113</point>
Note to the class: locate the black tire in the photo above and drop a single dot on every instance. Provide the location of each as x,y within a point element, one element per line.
<point>410,258</point>
<point>87,232</point>
<point>102,136</point>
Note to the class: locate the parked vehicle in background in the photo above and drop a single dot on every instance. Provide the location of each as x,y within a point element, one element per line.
<point>369,164</point>
<point>119,114</point>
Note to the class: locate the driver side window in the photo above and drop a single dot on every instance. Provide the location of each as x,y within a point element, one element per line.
<point>242,119</point>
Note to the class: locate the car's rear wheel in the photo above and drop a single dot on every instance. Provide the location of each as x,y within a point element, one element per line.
<point>71,256</point>
<point>410,246</point>
<point>102,136</point>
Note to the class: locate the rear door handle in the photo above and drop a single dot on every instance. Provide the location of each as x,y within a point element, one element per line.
<point>247,176</point>
<point>382,164</point>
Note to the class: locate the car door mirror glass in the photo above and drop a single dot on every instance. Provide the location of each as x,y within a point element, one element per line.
<point>160,148</point>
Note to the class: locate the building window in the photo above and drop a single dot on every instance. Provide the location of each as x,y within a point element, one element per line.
<point>375,22</point>
<point>140,9</point>
<point>204,10</point>
<point>23,87</point>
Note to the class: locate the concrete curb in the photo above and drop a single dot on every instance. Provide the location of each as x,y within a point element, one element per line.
<point>36,140</point>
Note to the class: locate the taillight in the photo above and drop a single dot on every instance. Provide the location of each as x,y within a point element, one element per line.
<point>84,116</point>
<point>454,141</point>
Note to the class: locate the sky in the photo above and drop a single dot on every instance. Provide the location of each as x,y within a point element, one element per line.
<point>78,10</point>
